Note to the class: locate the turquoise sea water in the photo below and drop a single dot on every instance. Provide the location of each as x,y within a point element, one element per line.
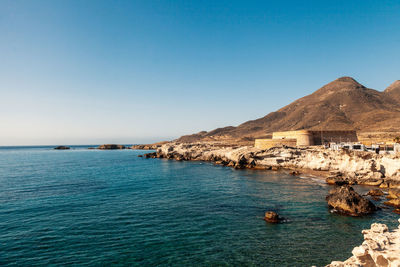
<point>89,207</point>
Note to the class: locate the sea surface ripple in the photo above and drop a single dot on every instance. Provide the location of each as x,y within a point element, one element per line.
<point>88,208</point>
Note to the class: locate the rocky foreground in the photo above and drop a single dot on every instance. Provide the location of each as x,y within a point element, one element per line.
<point>353,167</point>
<point>380,248</point>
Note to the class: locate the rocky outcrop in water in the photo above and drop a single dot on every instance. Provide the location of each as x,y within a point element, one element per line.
<point>272,217</point>
<point>345,200</point>
<point>346,167</point>
<point>110,146</point>
<point>149,146</point>
<point>380,248</point>
<point>62,147</point>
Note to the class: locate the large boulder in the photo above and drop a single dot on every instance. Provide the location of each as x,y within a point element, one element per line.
<point>346,201</point>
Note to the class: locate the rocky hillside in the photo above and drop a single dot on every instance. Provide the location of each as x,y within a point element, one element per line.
<point>394,90</point>
<point>343,104</point>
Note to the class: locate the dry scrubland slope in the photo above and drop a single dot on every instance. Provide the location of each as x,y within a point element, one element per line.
<point>343,104</point>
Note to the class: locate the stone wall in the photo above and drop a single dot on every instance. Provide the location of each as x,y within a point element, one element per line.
<point>333,136</point>
<point>268,143</point>
<point>312,137</point>
<point>303,137</point>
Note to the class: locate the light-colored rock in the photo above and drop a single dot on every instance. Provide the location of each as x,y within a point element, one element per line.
<point>393,202</point>
<point>375,192</point>
<point>361,167</point>
<point>380,248</point>
<point>394,193</point>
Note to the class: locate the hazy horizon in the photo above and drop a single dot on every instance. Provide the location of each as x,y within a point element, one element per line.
<point>81,72</point>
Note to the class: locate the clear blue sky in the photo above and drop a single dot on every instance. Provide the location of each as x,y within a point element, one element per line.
<point>85,72</point>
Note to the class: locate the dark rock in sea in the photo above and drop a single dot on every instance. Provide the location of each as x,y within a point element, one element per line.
<point>344,200</point>
<point>91,148</point>
<point>375,192</point>
<point>272,217</point>
<point>140,156</point>
<point>111,146</point>
<point>62,147</point>
<point>295,173</point>
<point>150,155</point>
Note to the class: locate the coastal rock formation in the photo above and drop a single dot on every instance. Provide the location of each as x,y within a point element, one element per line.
<point>394,199</point>
<point>149,146</point>
<point>111,146</point>
<point>345,200</point>
<point>375,192</point>
<point>62,147</point>
<point>393,202</point>
<point>350,167</point>
<point>393,193</point>
<point>380,248</point>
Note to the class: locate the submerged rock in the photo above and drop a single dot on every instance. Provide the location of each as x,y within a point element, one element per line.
<point>62,147</point>
<point>346,201</point>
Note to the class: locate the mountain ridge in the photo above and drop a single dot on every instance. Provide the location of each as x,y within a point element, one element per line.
<point>343,104</point>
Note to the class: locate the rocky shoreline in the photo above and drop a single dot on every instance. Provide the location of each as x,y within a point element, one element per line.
<point>352,167</point>
<point>380,248</point>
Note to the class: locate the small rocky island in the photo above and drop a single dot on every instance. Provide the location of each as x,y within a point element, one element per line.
<point>62,147</point>
<point>111,147</point>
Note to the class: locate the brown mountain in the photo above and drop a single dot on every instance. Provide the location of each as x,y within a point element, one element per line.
<point>393,90</point>
<point>343,104</point>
